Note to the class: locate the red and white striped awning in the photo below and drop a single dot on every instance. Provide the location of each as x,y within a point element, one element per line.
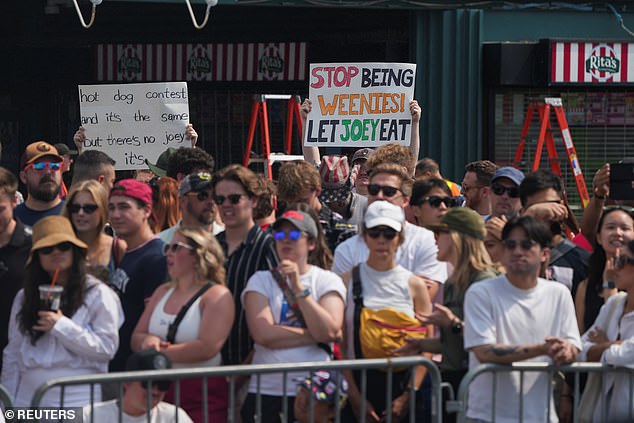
<point>201,62</point>
<point>592,62</point>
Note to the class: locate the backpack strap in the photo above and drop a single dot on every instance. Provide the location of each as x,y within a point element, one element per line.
<point>357,295</point>
<point>173,327</point>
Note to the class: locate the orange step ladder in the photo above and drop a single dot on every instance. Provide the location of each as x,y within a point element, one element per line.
<point>260,114</point>
<point>546,134</point>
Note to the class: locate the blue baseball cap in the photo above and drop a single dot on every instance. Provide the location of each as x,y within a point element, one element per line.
<point>509,172</point>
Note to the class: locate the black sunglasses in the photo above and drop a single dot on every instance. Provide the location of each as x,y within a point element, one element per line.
<point>622,261</point>
<point>387,233</point>
<point>87,208</point>
<point>498,189</point>
<point>525,244</point>
<point>435,201</point>
<point>201,195</point>
<point>233,198</point>
<point>388,191</point>
<point>63,246</point>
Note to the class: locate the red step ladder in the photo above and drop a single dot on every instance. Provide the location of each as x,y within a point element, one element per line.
<point>259,113</point>
<point>546,134</point>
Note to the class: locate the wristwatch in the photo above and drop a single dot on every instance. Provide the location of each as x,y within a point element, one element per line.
<point>302,294</point>
<point>457,326</point>
<point>609,284</point>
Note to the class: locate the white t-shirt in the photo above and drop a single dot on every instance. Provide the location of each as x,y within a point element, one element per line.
<point>417,254</point>
<point>496,312</point>
<point>109,412</point>
<point>320,282</point>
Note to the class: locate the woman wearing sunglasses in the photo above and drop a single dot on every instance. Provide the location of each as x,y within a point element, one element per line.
<point>293,312</point>
<point>611,341</point>
<point>77,335</point>
<point>189,319</point>
<point>460,240</point>
<point>615,229</point>
<point>87,208</point>
<point>430,200</point>
<point>384,284</point>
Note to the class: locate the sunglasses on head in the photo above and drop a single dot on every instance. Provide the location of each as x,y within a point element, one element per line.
<point>233,198</point>
<point>202,195</point>
<point>525,244</point>
<point>498,189</point>
<point>40,166</point>
<point>63,246</point>
<point>435,201</point>
<point>622,261</point>
<point>175,246</point>
<point>87,208</point>
<point>385,232</point>
<point>388,191</point>
<point>293,235</point>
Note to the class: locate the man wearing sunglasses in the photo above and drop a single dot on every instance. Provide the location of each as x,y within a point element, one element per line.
<point>505,198</point>
<point>41,173</point>
<point>519,317</point>
<point>476,186</point>
<point>197,207</point>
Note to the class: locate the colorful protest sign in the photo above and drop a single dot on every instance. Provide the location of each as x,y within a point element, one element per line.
<point>134,122</point>
<point>360,104</point>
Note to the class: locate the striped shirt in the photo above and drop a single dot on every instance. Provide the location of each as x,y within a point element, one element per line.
<point>257,252</point>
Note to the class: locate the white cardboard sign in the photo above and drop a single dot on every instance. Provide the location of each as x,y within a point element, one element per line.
<point>134,122</point>
<point>360,104</point>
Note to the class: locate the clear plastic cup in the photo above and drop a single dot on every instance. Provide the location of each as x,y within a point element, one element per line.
<point>50,297</point>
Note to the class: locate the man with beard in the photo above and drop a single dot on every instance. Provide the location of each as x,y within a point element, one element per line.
<point>476,186</point>
<point>41,173</point>
<point>197,207</point>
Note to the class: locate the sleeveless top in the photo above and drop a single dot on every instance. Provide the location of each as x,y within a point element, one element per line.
<point>188,329</point>
<point>388,289</point>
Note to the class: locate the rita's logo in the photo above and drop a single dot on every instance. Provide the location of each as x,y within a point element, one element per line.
<point>603,63</point>
<point>271,63</point>
<point>198,64</point>
<point>129,63</point>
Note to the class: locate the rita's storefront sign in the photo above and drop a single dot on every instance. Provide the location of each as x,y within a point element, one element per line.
<point>592,63</point>
<point>201,62</point>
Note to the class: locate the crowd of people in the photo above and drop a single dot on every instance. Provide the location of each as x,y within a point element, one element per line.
<point>369,255</point>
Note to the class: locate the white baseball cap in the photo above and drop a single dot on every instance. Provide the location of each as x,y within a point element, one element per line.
<point>382,213</point>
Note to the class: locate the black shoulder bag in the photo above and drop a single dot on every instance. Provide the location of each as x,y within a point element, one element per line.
<point>173,327</point>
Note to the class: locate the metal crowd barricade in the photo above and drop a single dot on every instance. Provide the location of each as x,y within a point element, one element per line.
<point>231,372</point>
<point>5,398</point>
<point>461,403</point>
